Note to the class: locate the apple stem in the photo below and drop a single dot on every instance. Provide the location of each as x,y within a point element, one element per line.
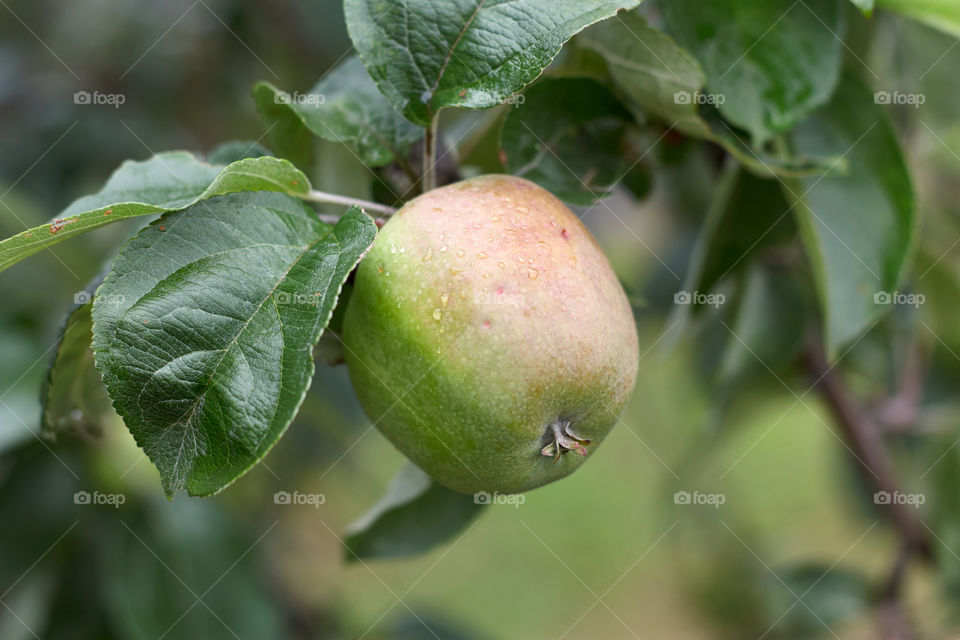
<point>333,198</point>
<point>429,179</point>
<point>561,439</point>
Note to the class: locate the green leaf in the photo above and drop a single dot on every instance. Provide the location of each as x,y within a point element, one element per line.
<point>649,67</point>
<point>427,55</point>
<point>236,150</point>
<point>829,597</point>
<point>567,136</point>
<point>663,80</point>
<point>204,329</point>
<point>73,397</point>
<point>768,328</point>
<point>415,515</point>
<point>857,228</point>
<point>768,64</point>
<point>168,181</point>
<point>866,6</point>
<point>748,216</point>
<point>941,14</point>
<point>344,106</point>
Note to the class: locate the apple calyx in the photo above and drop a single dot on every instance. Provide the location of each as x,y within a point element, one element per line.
<point>562,439</point>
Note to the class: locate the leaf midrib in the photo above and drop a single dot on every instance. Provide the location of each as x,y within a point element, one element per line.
<point>187,418</point>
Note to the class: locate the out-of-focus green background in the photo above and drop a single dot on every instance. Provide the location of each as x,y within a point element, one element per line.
<point>606,553</point>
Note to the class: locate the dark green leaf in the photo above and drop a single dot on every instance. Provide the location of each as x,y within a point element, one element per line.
<point>567,135</point>
<point>168,181</point>
<point>768,64</point>
<point>663,80</point>
<point>204,329</point>
<point>415,515</point>
<point>74,398</point>
<point>184,570</point>
<point>344,106</point>
<point>857,228</point>
<point>809,601</point>
<point>942,14</point>
<point>417,625</point>
<point>649,67</point>
<point>768,328</point>
<point>427,55</point>
<point>748,216</point>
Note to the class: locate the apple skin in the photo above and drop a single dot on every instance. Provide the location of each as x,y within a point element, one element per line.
<point>484,313</point>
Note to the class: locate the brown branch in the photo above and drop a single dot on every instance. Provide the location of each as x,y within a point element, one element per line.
<point>865,438</point>
<point>892,622</point>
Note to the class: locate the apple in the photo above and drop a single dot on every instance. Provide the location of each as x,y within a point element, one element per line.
<point>487,336</point>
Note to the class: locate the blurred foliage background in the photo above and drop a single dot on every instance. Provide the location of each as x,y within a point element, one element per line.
<point>606,553</point>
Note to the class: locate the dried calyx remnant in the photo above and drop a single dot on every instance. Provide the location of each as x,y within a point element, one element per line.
<point>561,439</point>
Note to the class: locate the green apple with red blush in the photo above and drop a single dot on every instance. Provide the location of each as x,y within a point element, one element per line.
<point>488,337</point>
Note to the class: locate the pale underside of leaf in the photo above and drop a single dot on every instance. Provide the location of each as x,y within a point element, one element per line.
<point>344,106</point>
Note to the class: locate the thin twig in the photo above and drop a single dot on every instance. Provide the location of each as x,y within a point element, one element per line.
<point>332,198</point>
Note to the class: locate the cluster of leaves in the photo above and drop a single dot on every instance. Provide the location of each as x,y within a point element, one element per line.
<point>203,326</point>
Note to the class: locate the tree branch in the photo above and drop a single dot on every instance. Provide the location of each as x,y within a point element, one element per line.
<point>866,439</point>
